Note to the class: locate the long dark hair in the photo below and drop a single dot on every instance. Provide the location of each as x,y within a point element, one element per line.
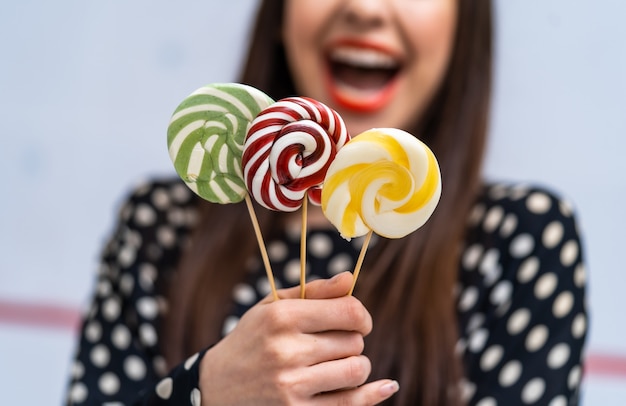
<point>409,282</point>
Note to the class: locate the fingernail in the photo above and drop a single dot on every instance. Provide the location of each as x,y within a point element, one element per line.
<point>337,276</point>
<point>390,388</point>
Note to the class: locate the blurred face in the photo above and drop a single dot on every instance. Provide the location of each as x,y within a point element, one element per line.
<point>377,62</point>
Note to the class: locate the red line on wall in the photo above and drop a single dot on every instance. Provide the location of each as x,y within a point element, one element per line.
<point>51,316</point>
<point>39,315</point>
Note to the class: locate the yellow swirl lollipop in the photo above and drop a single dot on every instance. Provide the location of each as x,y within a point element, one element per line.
<point>384,180</point>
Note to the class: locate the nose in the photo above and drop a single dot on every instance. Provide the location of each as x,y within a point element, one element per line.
<point>365,13</point>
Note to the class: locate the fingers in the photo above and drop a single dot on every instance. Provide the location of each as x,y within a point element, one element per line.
<point>332,345</point>
<point>345,313</point>
<point>337,286</point>
<point>372,393</point>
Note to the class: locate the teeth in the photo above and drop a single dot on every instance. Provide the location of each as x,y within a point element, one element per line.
<point>363,58</point>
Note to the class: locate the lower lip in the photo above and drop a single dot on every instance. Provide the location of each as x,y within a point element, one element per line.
<point>375,101</point>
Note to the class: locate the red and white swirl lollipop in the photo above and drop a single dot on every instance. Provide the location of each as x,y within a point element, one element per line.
<point>288,150</point>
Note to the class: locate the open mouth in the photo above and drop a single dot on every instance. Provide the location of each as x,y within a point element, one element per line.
<point>361,78</point>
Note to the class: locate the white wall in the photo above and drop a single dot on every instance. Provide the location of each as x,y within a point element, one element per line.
<point>87,89</point>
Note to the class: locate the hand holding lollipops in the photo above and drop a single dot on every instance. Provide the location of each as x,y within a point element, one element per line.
<point>205,140</point>
<point>384,181</point>
<point>287,152</point>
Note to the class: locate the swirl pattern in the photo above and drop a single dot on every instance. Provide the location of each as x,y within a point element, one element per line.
<point>384,180</point>
<point>205,138</point>
<point>288,150</point>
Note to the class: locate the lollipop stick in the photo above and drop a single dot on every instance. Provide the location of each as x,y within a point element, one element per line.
<point>259,238</point>
<point>303,250</point>
<point>359,262</point>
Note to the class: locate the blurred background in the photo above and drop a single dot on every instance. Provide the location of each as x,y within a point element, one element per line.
<point>87,89</point>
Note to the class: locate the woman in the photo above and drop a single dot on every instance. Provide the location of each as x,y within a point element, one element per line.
<point>483,305</point>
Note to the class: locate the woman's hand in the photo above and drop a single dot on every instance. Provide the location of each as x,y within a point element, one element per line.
<point>295,351</point>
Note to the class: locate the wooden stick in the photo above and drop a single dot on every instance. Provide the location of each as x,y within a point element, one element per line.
<point>359,262</point>
<point>303,249</point>
<point>259,238</point>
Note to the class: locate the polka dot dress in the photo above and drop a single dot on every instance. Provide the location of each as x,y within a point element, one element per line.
<point>520,299</point>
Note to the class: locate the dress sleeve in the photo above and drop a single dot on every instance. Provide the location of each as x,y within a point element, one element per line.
<point>522,306</point>
<point>118,359</point>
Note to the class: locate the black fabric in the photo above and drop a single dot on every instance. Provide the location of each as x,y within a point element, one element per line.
<point>520,295</point>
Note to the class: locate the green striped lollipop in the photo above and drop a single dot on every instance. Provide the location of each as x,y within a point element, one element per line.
<point>205,138</point>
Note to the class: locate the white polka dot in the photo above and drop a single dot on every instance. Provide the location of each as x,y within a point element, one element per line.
<point>195,397</point>
<point>160,198</point>
<point>190,361</point>
<point>580,275</point>
<point>78,392</point>
<point>478,339</point>
<point>518,321</point>
<point>533,390</point>
<point>104,287</point>
<point>528,269</point>
<point>468,298</point>
<point>145,215</point>
<point>109,383</point>
<point>160,365</point>
<point>120,336</point>
<point>320,245</point>
<point>177,217</point>
<point>127,255</point>
<point>111,309</point>
<point>538,203</point>
<point>545,285</point>
<point>569,253</point>
<point>147,335</point>
<point>558,355</point>
<point>78,370</point>
<point>491,358</point>
<point>229,324</point>
<point>277,251</point>
<point>552,235</point>
<point>476,214</point>
<point>489,261</point>
<point>489,401</point>
<point>566,208</point>
<point>519,192</point>
<point>127,283</point>
<point>501,293</point>
<point>498,191</point>
<point>180,193</point>
<point>522,245</point>
<point>536,338</point>
<point>493,219</point>
<point>467,390</point>
<point>100,356</point>
<point>579,325</point>
<point>263,285</point>
<point>147,276</point>
<point>147,307</point>
<point>166,236</point>
<point>244,294</point>
<point>563,304</point>
<point>510,373</point>
<point>292,271</point>
<point>340,263</point>
<point>460,347</point>
<point>471,256</point>
<point>573,379</point>
<point>134,368</point>
<point>508,225</point>
<point>93,331</point>
<point>475,321</point>
<point>164,388</point>
<point>559,401</point>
